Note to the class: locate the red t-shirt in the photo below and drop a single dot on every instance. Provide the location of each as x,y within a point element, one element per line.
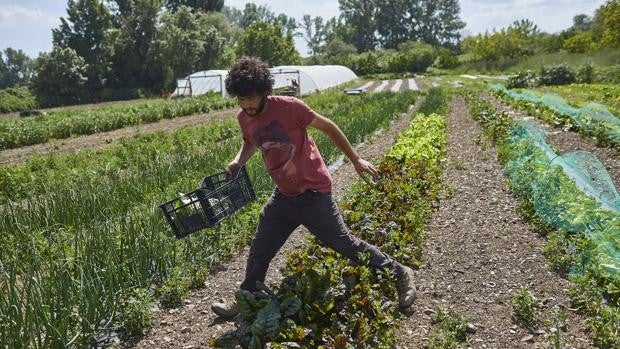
<point>290,155</point>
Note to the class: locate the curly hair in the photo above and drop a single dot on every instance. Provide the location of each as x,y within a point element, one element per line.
<point>248,76</point>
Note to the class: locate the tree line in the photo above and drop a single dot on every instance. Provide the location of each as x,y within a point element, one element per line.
<point>120,49</point>
<point>114,49</point>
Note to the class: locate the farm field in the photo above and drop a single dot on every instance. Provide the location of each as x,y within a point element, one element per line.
<point>454,201</point>
<point>493,129</point>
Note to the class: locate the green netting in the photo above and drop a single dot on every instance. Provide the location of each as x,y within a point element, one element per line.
<point>593,119</point>
<point>536,169</point>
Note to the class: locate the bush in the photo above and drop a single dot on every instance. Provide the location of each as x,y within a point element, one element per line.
<point>585,73</point>
<point>364,63</point>
<point>17,99</point>
<point>580,43</point>
<point>559,74</point>
<point>523,79</point>
<point>417,56</point>
<point>174,290</point>
<point>610,73</point>
<point>446,60</point>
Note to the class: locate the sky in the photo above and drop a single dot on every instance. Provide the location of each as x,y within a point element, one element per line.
<point>27,24</point>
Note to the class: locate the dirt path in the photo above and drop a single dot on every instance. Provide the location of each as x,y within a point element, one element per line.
<point>192,325</point>
<point>99,140</point>
<point>480,251</point>
<point>569,141</point>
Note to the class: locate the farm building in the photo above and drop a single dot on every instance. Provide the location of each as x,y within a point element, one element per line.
<point>309,78</point>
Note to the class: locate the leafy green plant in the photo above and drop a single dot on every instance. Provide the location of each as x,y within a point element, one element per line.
<point>559,74</point>
<point>136,312</point>
<point>174,290</point>
<point>524,307</point>
<point>585,73</point>
<point>560,251</point>
<point>523,79</point>
<point>594,283</point>
<point>557,322</point>
<point>63,124</point>
<point>448,330</point>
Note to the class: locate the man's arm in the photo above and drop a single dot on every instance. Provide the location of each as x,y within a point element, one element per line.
<point>331,130</point>
<point>245,153</point>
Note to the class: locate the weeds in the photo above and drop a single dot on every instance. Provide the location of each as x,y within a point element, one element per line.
<point>458,165</point>
<point>136,312</point>
<point>557,324</point>
<point>448,330</point>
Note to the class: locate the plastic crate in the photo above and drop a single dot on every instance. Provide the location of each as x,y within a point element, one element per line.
<point>219,196</point>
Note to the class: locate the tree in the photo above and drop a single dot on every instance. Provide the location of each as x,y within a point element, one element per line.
<point>359,16</point>
<point>252,13</point>
<point>582,22</point>
<point>394,22</point>
<point>608,23</point>
<point>526,27</point>
<point>269,42</point>
<point>60,78</point>
<point>15,68</point>
<point>440,22</point>
<point>89,32</point>
<point>313,33</point>
<point>338,48</point>
<point>203,5</point>
<point>187,42</point>
<point>136,21</point>
<point>579,43</point>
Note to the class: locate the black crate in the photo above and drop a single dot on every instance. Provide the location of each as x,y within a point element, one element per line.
<point>219,196</point>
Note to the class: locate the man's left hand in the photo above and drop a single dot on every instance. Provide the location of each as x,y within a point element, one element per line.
<point>362,166</point>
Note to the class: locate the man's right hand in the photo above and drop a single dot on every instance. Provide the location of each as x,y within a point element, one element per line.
<point>233,167</point>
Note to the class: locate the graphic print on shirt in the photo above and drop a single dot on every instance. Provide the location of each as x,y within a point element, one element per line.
<point>277,149</point>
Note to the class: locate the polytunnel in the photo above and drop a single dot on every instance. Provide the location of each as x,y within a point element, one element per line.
<point>310,78</point>
<point>201,82</point>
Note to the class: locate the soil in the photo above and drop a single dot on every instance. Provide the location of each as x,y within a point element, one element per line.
<point>480,251</point>
<point>193,325</point>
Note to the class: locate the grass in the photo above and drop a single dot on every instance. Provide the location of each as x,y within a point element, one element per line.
<point>605,57</point>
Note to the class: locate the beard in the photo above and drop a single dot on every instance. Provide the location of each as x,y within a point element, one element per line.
<point>259,109</point>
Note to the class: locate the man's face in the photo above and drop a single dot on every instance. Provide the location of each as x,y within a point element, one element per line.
<point>253,104</point>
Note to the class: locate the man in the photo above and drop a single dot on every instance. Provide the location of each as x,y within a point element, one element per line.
<point>277,125</point>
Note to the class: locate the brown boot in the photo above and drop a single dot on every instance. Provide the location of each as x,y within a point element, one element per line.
<point>406,288</point>
<point>225,310</point>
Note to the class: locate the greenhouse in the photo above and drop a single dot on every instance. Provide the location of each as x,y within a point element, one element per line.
<point>289,79</point>
<point>200,83</point>
<point>311,78</point>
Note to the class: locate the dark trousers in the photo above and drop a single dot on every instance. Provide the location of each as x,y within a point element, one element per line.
<point>318,212</point>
